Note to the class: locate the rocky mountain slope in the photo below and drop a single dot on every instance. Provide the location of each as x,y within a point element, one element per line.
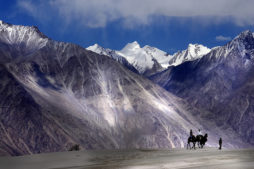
<point>54,95</point>
<point>220,84</point>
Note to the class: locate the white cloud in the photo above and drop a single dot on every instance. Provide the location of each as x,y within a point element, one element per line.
<point>27,6</point>
<point>223,38</point>
<point>39,10</point>
<point>98,13</point>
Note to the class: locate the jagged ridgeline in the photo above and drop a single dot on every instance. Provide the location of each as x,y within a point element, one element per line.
<point>54,95</point>
<point>150,60</point>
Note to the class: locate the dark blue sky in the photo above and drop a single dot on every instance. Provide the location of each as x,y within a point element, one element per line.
<point>166,32</point>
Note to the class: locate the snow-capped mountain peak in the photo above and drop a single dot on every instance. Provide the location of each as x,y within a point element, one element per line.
<point>198,50</point>
<point>244,41</point>
<point>150,59</point>
<point>146,58</point>
<point>95,46</point>
<point>243,35</point>
<point>246,33</point>
<point>131,46</point>
<point>97,49</point>
<point>193,52</point>
<point>103,51</point>
<point>161,56</point>
<point>112,54</point>
<point>136,56</point>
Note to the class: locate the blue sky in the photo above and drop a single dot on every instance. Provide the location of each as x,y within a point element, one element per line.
<point>169,25</point>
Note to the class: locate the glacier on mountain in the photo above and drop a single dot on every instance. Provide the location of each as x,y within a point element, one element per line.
<point>148,58</point>
<point>193,52</point>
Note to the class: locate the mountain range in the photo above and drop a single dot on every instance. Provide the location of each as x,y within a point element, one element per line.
<point>55,95</point>
<point>150,60</point>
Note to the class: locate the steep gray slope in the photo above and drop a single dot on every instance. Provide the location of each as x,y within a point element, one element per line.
<point>27,126</point>
<point>54,95</point>
<point>220,84</point>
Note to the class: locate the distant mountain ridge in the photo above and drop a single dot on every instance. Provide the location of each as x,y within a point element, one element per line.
<point>150,60</point>
<point>193,52</point>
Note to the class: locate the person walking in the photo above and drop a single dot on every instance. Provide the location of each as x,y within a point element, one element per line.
<point>220,143</point>
<point>199,132</point>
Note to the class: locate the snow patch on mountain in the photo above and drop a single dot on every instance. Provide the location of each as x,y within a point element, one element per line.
<point>142,59</point>
<point>148,58</point>
<point>96,48</point>
<point>28,37</point>
<point>104,51</point>
<point>108,52</point>
<point>112,54</point>
<point>161,56</point>
<point>193,52</point>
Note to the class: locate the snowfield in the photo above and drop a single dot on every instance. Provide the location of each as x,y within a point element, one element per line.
<point>135,159</point>
<point>148,60</point>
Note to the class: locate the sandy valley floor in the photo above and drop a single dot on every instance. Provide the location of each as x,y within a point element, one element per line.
<point>134,159</point>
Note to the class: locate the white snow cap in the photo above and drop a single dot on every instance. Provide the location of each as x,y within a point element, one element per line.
<point>141,58</point>
<point>131,46</point>
<point>197,50</point>
<point>108,52</point>
<point>193,52</point>
<point>136,56</point>
<point>161,56</point>
<point>144,58</point>
<point>96,48</point>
